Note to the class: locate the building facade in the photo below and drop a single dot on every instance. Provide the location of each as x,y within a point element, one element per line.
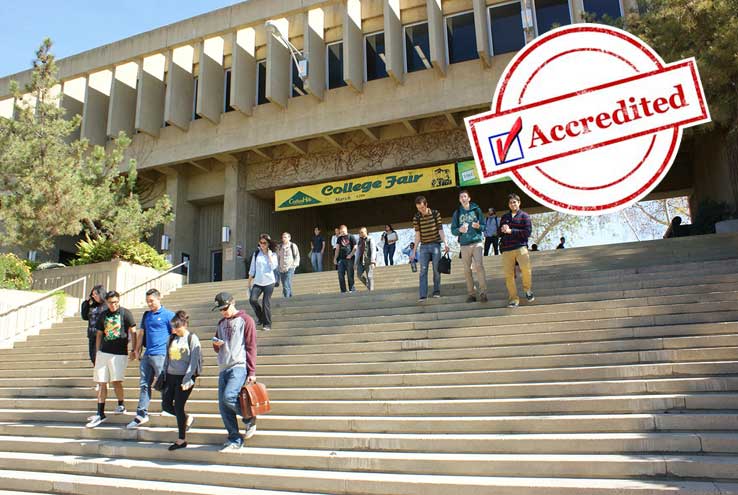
<point>221,117</point>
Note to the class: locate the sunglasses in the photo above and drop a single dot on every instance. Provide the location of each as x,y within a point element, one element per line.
<point>264,243</point>
<point>114,302</point>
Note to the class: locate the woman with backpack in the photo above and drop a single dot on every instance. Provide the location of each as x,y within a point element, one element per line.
<point>389,238</point>
<point>261,280</point>
<point>182,366</point>
<point>91,310</point>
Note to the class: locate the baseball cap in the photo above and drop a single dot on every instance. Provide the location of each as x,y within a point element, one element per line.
<point>223,300</point>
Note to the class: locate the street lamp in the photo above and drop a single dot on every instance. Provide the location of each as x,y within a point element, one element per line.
<point>300,61</point>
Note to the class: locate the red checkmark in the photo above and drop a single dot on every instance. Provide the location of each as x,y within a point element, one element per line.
<point>514,131</point>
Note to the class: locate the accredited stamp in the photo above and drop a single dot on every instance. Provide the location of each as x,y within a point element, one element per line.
<point>587,119</point>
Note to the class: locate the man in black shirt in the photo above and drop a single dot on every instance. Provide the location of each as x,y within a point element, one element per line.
<point>343,257</point>
<point>317,247</point>
<point>115,328</point>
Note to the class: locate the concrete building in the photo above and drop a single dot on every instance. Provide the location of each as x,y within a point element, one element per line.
<point>221,118</point>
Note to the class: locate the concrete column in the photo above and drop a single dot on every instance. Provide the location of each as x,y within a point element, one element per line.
<point>394,42</point>
<point>95,112</point>
<point>233,266</point>
<point>529,15</point>
<point>211,80</point>
<point>436,36</point>
<point>577,10</point>
<point>183,229</point>
<point>180,88</point>
<point>243,71</point>
<point>123,94</point>
<point>315,53</point>
<point>73,102</point>
<point>481,26</point>
<point>150,97</point>
<point>353,46</point>
<point>278,63</point>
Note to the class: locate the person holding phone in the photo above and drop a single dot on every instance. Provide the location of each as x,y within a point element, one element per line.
<point>515,229</point>
<point>261,280</point>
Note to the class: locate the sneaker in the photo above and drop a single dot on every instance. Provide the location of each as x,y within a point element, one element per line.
<point>137,421</point>
<point>177,446</point>
<point>231,446</point>
<point>530,297</point>
<point>422,299</point>
<point>436,296</point>
<point>188,422</point>
<point>266,328</point>
<point>471,299</point>
<point>119,410</point>
<point>250,429</point>
<point>96,420</point>
<point>483,297</point>
<point>90,418</point>
<point>512,304</point>
<point>164,413</point>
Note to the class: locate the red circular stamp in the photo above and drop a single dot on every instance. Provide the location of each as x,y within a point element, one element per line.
<point>587,119</point>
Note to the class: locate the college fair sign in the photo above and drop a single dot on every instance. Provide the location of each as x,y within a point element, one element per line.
<point>373,186</point>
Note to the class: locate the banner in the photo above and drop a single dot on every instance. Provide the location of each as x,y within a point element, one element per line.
<point>468,175</point>
<point>373,186</point>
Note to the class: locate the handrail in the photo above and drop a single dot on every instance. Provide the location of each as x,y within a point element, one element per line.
<point>47,295</point>
<point>187,280</point>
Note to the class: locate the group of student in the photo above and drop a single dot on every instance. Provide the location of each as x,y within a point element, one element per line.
<point>170,359</point>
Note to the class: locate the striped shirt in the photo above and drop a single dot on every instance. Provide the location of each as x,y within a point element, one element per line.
<point>428,226</point>
<point>521,228</point>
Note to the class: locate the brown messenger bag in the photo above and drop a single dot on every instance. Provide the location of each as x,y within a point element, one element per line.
<point>254,400</point>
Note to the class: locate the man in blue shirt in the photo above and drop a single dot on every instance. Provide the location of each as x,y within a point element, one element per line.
<point>155,329</point>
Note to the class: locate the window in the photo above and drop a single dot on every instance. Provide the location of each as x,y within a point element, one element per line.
<point>601,8</point>
<point>551,13</point>
<point>261,82</point>
<point>417,47</point>
<point>374,56</point>
<point>506,25</point>
<point>461,38</point>
<point>335,65</point>
<point>298,88</point>
<point>194,101</point>
<point>227,92</point>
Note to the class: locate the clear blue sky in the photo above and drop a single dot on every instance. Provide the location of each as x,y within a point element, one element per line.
<point>79,25</point>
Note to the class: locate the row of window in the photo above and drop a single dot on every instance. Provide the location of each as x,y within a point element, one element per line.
<point>507,34</point>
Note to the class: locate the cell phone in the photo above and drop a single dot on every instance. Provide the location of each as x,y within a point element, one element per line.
<point>216,340</point>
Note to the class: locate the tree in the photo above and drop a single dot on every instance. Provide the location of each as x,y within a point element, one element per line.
<point>52,186</point>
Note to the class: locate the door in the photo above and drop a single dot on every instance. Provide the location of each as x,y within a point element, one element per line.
<point>216,266</point>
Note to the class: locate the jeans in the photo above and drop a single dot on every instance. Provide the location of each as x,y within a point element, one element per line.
<point>491,241</point>
<point>509,258</point>
<point>473,254</point>
<point>366,274</point>
<point>230,382</point>
<point>264,310</point>
<point>92,347</point>
<point>173,400</point>
<point>150,368</point>
<point>389,254</point>
<point>286,280</point>
<point>346,267</point>
<point>430,253</point>
<point>317,261</point>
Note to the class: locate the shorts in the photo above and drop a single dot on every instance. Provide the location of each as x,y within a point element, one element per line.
<point>110,367</point>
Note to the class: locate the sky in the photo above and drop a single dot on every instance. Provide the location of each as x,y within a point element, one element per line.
<point>79,25</point>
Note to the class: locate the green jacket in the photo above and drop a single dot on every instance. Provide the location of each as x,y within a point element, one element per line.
<point>461,216</point>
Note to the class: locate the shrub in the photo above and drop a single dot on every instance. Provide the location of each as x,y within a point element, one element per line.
<point>14,273</point>
<point>100,250</point>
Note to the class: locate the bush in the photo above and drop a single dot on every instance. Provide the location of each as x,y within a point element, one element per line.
<point>100,250</point>
<point>14,273</point>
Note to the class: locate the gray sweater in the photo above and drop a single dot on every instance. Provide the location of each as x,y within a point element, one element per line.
<point>239,349</point>
<point>183,361</point>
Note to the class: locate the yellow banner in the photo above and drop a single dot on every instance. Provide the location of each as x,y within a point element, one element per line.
<point>373,186</point>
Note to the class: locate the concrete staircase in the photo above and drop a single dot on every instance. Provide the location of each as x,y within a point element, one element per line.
<point>621,378</point>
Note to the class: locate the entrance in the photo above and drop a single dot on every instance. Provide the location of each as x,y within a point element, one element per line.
<point>216,266</point>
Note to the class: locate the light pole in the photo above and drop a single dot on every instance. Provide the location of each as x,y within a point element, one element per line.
<point>300,61</point>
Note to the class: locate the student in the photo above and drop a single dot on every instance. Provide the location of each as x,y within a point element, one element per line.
<point>428,237</point>
<point>409,251</point>
<point>491,225</point>
<point>343,257</point>
<point>115,328</point>
<point>317,248</point>
<point>561,243</point>
<point>235,344</point>
<point>183,366</point>
<point>261,280</point>
<point>389,239</point>
<point>515,229</point>
<point>155,330</point>
<point>334,243</point>
<point>289,260</point>
<point>92,308</point>
<point>466,223</point>
<point>366,259</point>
